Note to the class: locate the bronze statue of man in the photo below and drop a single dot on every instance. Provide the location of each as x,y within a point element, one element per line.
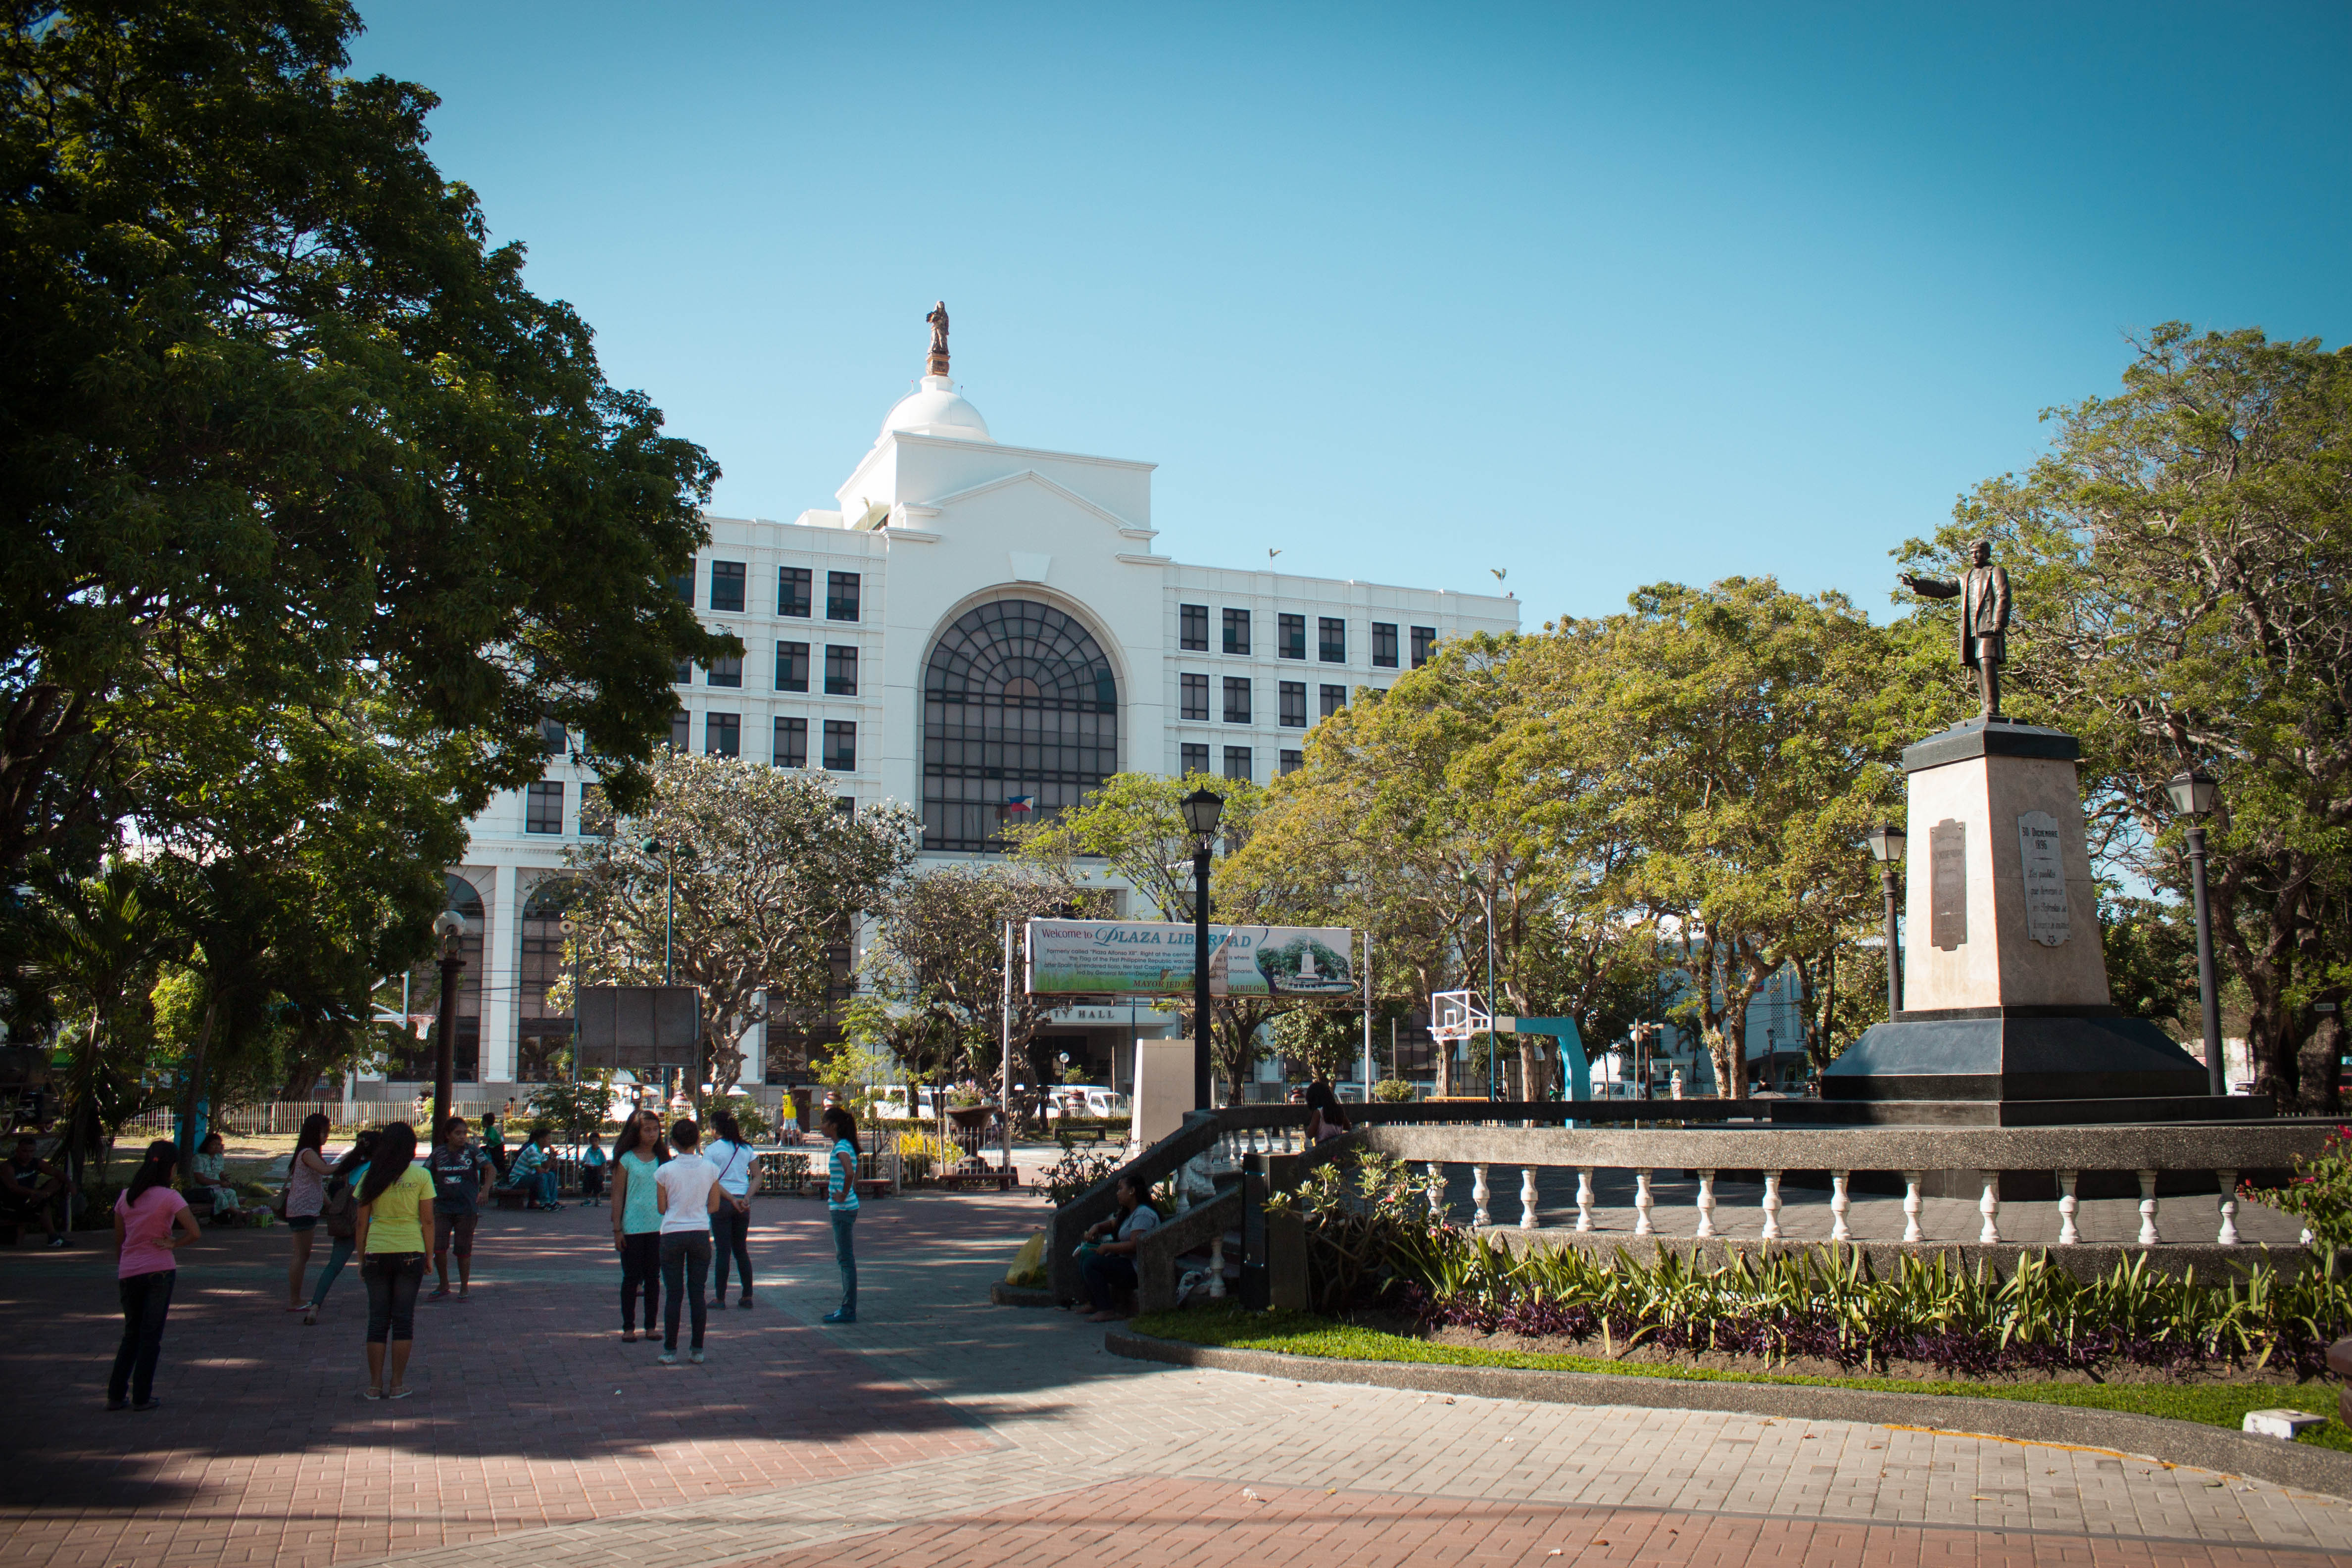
<point>1983,594</point>
<point>939,321</point>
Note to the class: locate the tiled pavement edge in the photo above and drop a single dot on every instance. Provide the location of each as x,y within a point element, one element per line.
<point>939,1407</point>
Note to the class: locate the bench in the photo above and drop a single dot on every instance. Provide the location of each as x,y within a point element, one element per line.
<point>510,1197</point>
<point>1003,1178</point>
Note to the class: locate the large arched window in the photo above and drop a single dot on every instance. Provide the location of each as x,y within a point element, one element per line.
<point>1020,719</point>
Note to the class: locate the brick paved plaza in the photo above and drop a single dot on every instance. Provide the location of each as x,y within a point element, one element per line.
<point>941,1431</point>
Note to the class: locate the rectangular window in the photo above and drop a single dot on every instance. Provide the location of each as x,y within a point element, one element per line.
<point>1237,699</point>
<point>841,672</point>
<point>1290,641</point>
<point>1292,762</point>
<point>1334,699</point>
<point>722,734</point>
<point>1237,761</point>
<point>792,742</point>
<point>595,812</point>
<point>727,585</point>
<point>1193,629</point>
<point>841,596</point>
<point>792,591</point>
<point>682,673</point>
<point>681,731</point>
<point>1196,758</point>
<point>1384,645</point>
<point>1238,631</point>
<point>726,670</point>
<point>542,809</point>
<point>1294,704</point>
<point>1425,643</point>
<point>792,667</point>
<point>1196,697</point>
<point>845,805</point>
<point>841,746</point>
<point>1331,639</point>
<point>683,584</point>
<point>552,737</point>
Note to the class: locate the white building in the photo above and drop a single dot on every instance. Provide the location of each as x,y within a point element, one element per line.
<point>970,621</point>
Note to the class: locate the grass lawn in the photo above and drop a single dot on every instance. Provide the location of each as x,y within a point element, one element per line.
<point>1300,1333</point>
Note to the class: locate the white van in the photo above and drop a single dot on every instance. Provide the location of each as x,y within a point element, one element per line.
<point>1086,1099</point>
<point>891,1103</point>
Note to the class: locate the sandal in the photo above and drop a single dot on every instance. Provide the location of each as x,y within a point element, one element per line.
<point>373,1393</point>
<point>310,1316</point>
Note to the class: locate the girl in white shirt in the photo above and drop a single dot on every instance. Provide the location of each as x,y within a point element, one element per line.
<point>730,1222</point>
<point>685,1190</point>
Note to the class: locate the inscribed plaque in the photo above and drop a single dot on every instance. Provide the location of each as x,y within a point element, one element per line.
<point>2039,847</point>
<point>1947,884</point>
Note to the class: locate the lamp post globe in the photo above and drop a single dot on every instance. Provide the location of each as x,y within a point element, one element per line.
<point>1203,810</point>
<point>2194,794</point>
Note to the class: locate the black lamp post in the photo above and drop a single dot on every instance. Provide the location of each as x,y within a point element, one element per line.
<point>449,927</point>
<point>2193,794</point>
<point>1887,843</point>
<point>1202,808</point>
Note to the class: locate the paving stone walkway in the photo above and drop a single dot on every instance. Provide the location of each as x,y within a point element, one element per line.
<point>941,1431</point>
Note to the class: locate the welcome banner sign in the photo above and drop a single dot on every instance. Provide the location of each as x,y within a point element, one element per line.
<point>1148,958</point>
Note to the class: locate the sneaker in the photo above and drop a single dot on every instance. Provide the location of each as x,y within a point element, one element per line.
<point>841,1315</point>
<point>148,1403</point>
<point>118,1404</point>
<point>693,1356</point>
<point>58,1241</point>
<point>745,1304</point>
<point>667,1358</point>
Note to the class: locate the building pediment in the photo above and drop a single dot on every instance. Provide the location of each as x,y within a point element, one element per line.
<point>1031,477</point>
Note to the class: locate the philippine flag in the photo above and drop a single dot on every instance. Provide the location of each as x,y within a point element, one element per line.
<point>1020,803</point>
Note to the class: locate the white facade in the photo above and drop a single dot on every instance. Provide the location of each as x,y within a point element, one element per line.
<point>935,520</point>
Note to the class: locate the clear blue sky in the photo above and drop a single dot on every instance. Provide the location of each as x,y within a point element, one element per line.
<point>1604,295</point>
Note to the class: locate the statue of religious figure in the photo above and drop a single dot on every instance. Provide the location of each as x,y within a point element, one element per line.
<point>939,321</point>
<point>1984,593</point>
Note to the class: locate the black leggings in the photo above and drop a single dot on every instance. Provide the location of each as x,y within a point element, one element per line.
<point>641,1265</point>
<point>392,1278</point>
<point>731,1235</point>
<point>146,1298</point>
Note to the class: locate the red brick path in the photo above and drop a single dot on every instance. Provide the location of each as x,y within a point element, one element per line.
<point>528,1411</point>
<point>1204,1525</point>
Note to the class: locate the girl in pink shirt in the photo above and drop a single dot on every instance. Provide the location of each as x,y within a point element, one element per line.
<point>150,1222</point>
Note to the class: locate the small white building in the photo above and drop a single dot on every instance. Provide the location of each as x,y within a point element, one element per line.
<point>971,626</point>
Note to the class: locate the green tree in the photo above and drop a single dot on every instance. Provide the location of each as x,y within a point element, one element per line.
<point>2178,562</point>
<point>746,875</point>
<point>274,409</point>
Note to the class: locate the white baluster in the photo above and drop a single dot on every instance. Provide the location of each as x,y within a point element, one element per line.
<point>1479,1193</point>
<point>1772,1205</point>
<point>2148,1236</point>
<point>1989,1205</point>
<point>1911,1231</point>
<point>1584,1197</point>
<point>2069,1233</point>
<point>1840,1205</point>
<point>1706,1205</point>
<point>1436,1193</point>
<point>1641,1203</point>
<point>1217,1266</point>
<point>2227,1183</point>
<point>1527,1197</point>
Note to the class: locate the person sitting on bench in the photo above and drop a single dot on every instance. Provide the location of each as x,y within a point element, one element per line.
<point>33,1191</point>
<point>533,1171</point>
<point>1109,1266</point>
<point>206,1178</point>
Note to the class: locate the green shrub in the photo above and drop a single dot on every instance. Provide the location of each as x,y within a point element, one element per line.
<point>1392,1091</point>
<point>2319,1193</point>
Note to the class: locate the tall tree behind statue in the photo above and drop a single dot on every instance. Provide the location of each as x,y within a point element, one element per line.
<point>2181,555</point>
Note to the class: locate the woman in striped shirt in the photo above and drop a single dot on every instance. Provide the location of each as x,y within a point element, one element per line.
<point>841,1200</point>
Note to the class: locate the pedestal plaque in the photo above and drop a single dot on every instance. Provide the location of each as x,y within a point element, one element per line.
<point>1948,874</point>
<point>2041,854</point>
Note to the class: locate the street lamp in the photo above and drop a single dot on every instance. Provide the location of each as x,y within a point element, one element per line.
<point>2194,796</point>
<point>1203,809</point>
<point>670,907</point>
<point>570,928</point>
<point>449,931</point>
<point>1887,843</point>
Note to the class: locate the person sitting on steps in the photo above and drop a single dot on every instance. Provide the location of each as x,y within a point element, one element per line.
<point>1109,1266</point>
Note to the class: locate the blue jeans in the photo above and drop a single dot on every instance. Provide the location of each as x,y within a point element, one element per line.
<point>544,1181</point>
<point>845,1253</point>
<point>338,1254</point>
<point>1107,1274</point>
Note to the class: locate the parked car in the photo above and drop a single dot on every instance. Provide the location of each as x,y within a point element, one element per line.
<point>1086,1099</point>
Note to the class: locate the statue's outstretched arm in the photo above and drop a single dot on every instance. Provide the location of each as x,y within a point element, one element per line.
<point>1930,587</point>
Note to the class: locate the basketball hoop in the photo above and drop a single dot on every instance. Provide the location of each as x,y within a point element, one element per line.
<point>1457,1016</point>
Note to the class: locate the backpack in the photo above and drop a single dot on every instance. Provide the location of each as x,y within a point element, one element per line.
<point>341,1210</point>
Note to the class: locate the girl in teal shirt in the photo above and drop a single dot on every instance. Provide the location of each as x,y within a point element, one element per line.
<point>638,1154</point>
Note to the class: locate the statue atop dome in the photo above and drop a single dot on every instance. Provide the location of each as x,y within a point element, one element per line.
<point>939,321</point>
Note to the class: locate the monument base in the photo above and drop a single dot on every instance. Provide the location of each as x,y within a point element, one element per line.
<point>2016,1054</point>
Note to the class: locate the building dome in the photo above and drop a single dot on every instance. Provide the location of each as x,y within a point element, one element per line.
<point>935,410</point>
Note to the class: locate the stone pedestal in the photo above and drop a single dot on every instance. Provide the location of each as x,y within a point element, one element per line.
<point>2007,1019</point>
<point>1164,1090</point>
